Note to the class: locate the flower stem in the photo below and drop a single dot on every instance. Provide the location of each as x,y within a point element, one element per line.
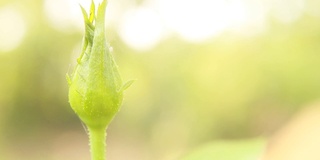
<point>97,137</point>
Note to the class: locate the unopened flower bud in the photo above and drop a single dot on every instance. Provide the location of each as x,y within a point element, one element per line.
<point>95,86</point>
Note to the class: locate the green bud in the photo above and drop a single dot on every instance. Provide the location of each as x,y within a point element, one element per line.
<point>95,86</point>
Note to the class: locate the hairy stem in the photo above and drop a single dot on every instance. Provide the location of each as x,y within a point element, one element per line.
<point>97,137</point>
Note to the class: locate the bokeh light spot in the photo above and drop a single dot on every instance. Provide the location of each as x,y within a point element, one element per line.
<point>12,28</point>
<point>141,28</point>
<point>288,11</point>
<point>65,15</point>
<point>194,20</point>
<point>197,21</point>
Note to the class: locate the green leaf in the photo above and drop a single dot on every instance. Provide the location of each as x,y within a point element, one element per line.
<point>68,79</point>
<point>126,85</point>
<point>85,14</point>
<point>250,149</point>
<point>92,12</point>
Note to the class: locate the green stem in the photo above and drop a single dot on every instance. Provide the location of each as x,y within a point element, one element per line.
<point>97,137</point>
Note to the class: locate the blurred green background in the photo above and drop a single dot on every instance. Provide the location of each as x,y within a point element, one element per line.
<point>244,78</point>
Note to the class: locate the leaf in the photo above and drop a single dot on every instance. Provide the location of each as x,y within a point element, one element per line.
<point>250,149</point>
<point>68,79</point>
<point>85,14</point>
<point>89,27</point>
<point>126,85</point>
<point>92,12</point>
